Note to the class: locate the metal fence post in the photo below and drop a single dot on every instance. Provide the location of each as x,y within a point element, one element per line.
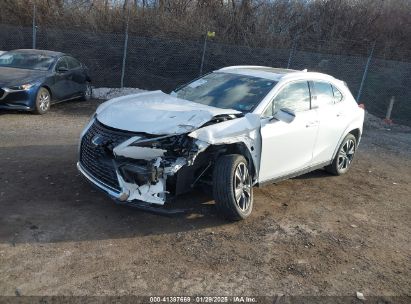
<point>292,50</point>
<point>202,58</point>
<point>389,111</point>
<point>34,25</point>
<point>364,76</point>
<point>125,50</point>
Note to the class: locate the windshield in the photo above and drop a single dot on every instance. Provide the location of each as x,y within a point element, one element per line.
<point>227,91</point>
<point>29,61</point>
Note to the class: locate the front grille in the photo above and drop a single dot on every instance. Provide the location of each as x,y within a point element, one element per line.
<point>98,159</point>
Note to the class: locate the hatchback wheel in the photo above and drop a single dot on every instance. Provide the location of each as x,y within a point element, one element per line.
<point>232,187</point>
<point>43,101</point>
<point>344,157</point>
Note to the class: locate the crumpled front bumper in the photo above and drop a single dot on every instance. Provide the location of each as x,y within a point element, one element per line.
<point>128,172</point>
<point>100,185</point>
<point>121,197</point>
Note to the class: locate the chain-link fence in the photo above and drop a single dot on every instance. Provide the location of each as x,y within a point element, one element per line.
<point>154,63</point>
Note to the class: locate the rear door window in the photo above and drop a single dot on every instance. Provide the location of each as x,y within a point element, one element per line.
<point>323,93</point>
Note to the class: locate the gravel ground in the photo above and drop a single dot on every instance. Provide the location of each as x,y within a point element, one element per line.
<point>312,235</point>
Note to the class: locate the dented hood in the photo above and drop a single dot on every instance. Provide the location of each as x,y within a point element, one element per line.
<point>156,113</point>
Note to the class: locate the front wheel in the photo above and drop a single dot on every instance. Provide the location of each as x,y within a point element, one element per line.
<point>232,187</point>
<point>43,101</point>
<point>344,157</point>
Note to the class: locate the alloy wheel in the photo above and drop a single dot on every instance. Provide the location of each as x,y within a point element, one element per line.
<point>242,187</point>
<point>44,101</point>
<point>346,155</point>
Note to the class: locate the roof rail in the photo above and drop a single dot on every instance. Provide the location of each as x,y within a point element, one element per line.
<point>245,67</point>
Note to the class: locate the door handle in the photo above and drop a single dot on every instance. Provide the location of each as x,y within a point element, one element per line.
<point>340,114</point>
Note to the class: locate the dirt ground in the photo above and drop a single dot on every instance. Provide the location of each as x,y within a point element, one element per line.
<point>312,235</point>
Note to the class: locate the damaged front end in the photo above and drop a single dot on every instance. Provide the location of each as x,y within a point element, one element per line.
<point>145,165</point>
<point>138,166</point>
<point>144,149</point>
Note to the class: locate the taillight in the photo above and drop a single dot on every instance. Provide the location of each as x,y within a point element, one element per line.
<point>362,106</point>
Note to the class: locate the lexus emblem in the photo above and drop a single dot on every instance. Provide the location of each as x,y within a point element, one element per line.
<point>97,140</point>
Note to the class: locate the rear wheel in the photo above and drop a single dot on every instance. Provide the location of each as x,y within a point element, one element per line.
<point>232,187</point>
<point>43,101</point>
<point>344,157</point>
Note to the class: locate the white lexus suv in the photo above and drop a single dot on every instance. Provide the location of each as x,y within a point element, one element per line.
<point>232,129</point>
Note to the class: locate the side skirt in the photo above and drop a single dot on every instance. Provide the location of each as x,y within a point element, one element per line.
<point>67,99</point>
<point>294,174</point>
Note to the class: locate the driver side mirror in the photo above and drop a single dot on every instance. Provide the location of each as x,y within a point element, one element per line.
<point>285,115</point>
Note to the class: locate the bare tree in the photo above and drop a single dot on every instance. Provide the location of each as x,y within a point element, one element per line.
<point>263,23</point>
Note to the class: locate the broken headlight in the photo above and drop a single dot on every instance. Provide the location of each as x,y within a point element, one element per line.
<point>141,173</point>
<point>173,144</point>
<point>154,143</point>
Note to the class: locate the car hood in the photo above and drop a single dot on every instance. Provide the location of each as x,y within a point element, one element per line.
<point>156,113</point>
<point>12,76</point>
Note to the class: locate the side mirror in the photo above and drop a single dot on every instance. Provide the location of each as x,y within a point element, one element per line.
<point>62,70</point>
<point>288,111</point>
<point>285,115</point>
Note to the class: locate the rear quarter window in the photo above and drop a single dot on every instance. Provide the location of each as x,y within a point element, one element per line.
<point>338,96</point>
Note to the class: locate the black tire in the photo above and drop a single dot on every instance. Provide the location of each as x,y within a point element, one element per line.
<point>224,184</point>
<point>344,157</point>
<point>88,92</point>
<point>43,101</point>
